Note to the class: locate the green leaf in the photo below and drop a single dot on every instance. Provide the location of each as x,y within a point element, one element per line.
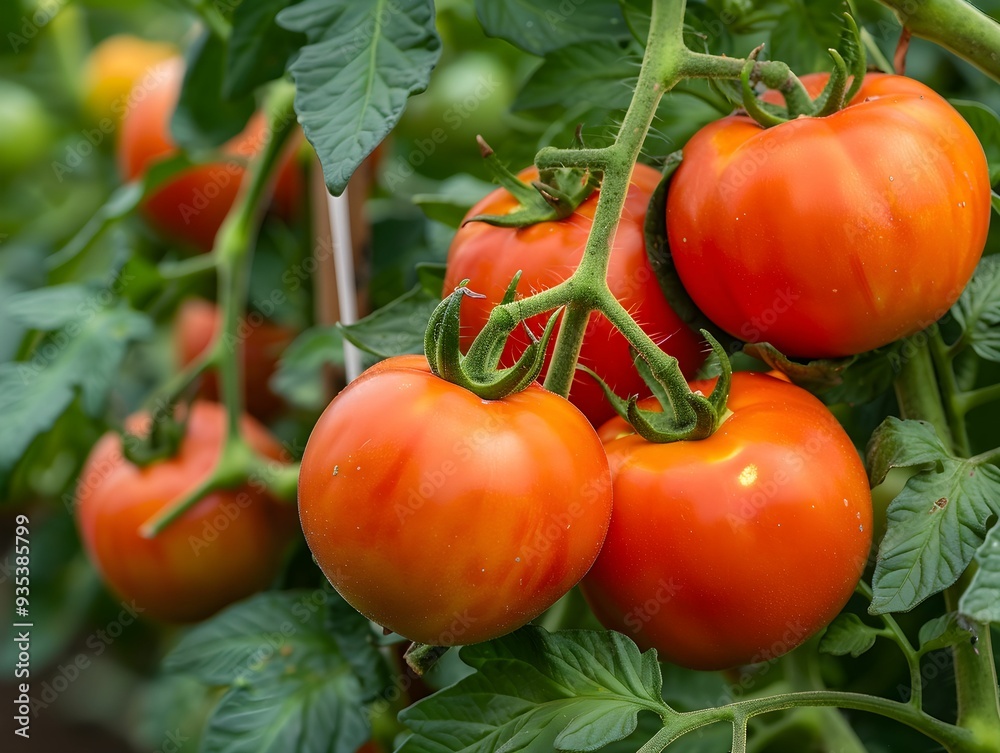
<point>935,525</point>
<point>596,72</point>
<point>430,275</point>
<point>48,308</point>
<point>995,201</point>
<point>902,444</point>
<point>353,78</point>
<point>259,49</point>
<point>977,310</point>
<point>205,118</point>
<point>981,600</point>
<point>535,691</point>
<point>299,378</point>
<point>302,665</point>
<point>541,26</point>
<point>815,375</point>
<point>397,327</point>
<point>848,635</point>
<point>941,632</point>
<point>986,123</point>
<point>82,358</point>
<point>453,199</point>
<point>803,34</point>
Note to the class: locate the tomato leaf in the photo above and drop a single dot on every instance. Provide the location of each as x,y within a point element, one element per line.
<point>902,444</point>
<point>986,123</point>
<point>977,310</point>
<point>259,49</point>
<point>205,118</point>
<point>802,36</point>
<point>299,378</point>
<point>981,600</point>
<point>573,690</point>
<point>937,521</point>
<point>541,26</point>
<point>302,665</point>
<point>453,199</point>
<point>81,358</point>
<point>396,328</point>
<point>848,635</point>
<point>601,73</point>
<point>48,308</point>
<point>352,80</point>
<point>941,632</point>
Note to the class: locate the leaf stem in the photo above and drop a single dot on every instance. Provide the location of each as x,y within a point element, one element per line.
<point>895,633</point>
<point>976,679</point>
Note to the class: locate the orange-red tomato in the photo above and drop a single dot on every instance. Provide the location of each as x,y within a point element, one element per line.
<point>548,253</point>
<point>831,236</point>
<point>227,546</point>
<point>736,548</point>
<point>445,517</point>
<point>192,205</point>
<point>114,67</point>
<point>263,344</point>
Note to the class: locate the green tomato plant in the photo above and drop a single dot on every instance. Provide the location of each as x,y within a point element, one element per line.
<point>90,297</point>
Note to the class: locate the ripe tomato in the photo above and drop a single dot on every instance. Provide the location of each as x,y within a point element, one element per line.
<point>114,67</point>
<point>192,206</point>
<point>263,344</point>
<point>736,548</point>
<point>548,253</point>
<point>445,517</point>
<point>226,547</point>
<point>831,236</point>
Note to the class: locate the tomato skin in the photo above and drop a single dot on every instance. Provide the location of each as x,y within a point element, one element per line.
<point>736,548</point>
<point>263,345</point>
<point>116,65</point>
<point>831,236</point>
<point>192,205</point>
<point>548,253</point>
<point>445,517</point>
<point>227,546</point>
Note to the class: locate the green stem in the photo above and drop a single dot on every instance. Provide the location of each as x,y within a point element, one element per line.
<point>955,25</point>
<point>976,680</point>
<point>917,389</point>
<point>567,350</point>
<point>895,633</point>
<point>966,401</point>
<point>951,394</point>
<point>194,265</point>
<point>990,456</point>
<point>212,17</point>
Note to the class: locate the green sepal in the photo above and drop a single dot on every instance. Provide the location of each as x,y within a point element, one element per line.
<point>166,432</point>
<point>619,404</point>
<point>852,48</point>
<point>720,394</point>
<point>478,372</point>
<point>832,97</point>
<point>494,347</point>
<point>554,196</point>
<point>764,115</point>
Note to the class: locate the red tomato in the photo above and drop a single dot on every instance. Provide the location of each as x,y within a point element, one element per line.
<point>832,236</point>
<point>192,206</point>
<point>263,345</point>
<point>736,548</point>
<point>227,546</point>
<point>548,253</point>
<point>445,517</point>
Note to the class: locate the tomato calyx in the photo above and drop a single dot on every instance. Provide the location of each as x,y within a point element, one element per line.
<point>670,389</point>
<point>478,370</point>
<point>849,66</point>
<point>161,441</point>
<point>554,196</point>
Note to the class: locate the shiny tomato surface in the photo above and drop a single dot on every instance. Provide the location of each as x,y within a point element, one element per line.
<point>192,205</point>
<point>227,546</point>
<point>549,252</point>
<point>736,548</point>
<point>445,517</point>
<point>831,236</point>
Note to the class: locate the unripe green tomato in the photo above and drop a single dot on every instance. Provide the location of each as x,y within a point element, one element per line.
<point>466,97</point>
<point>25,127</point>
